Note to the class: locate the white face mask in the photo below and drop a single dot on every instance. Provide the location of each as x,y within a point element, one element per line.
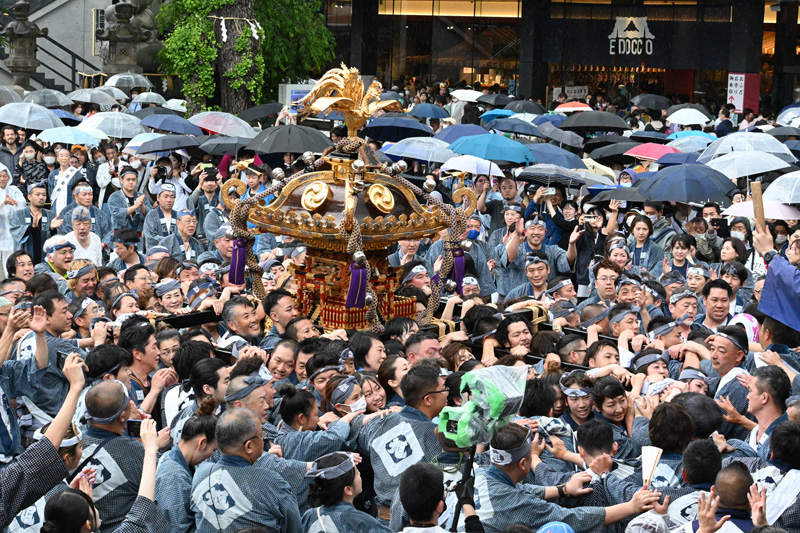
<point>49,160</point>
<point>626,185</point>
<point>359,405</point>
<point>136,164</point>
<point>100,160</point>
<point>780,239</point>
<point>29,157</point>
<point>738,235</point>
<point>653,218</point>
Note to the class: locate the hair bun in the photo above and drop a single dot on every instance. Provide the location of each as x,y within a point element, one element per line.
<point>287,390</point>
<point>207,406</point>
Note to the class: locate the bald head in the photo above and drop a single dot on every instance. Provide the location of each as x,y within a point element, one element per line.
<point>106,399</point>
<point>236,385</point>
<point>732,486</point>
<point>234,427</point>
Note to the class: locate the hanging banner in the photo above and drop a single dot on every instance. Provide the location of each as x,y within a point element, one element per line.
<point>631,36</point>
<point>743,91</point>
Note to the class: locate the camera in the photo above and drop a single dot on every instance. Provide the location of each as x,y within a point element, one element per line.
<point>161,173</point>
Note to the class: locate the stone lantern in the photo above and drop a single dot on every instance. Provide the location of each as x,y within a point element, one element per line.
<point>121,38</point>
<point>21,35</point>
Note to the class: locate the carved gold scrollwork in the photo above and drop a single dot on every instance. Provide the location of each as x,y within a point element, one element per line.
<point>470,206</point>
<point>315,196</point>
<point>381,197</point>
<point>241,188</point>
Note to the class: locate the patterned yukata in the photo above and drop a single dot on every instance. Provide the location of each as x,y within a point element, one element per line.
<point>174,491</point>
<point>309,446</point>
<point>340,518</point>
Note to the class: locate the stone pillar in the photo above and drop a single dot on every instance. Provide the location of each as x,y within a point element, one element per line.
<point>121,38</point>
<point>532,70</point>
<point>364,36</point>
<point>747,33</point>
<point>21,35</point>
<point>785,56</point>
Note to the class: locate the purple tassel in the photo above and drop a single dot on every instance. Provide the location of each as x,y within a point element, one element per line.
<point>357,292</point>
<point>457,272</point>
<point>238,261</point>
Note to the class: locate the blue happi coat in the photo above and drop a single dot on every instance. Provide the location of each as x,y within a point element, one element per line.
<point>174,491</point>
<point>340,518</point>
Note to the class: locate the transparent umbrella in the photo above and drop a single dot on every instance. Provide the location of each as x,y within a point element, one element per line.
<point>690,144</point>
<point>48,98</point>
<point>116,125</point>
<point>219,122</point>
<point>91,96</point>
<point>785,189</point>
<point>128,80</point>
<point>29,116</point>
<point>421,148</point>
<point>115,93</point>
<point>8,95</point>
<point>746,142</point>
<point>741,164</point>
<point>150,98</point>
<point>176,104</point>
<point>473,165</point>
<point>68,135</point>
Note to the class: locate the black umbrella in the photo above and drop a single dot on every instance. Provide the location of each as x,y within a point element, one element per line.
<point>546,175</point>
<point>623,194</point>
<point>591,121</point>
<point>167,143</point>
<point>783,133</point>
<point>289,138</point>
<point>613,153</point>
<point>560,136</point>
<point>603,140</point>
<point>394,129</point>
<point>651,101</point>
<point>260,112</point>
<point>223,145</point>
<point>698,107</point>
<point>526,106</point>
<point>157,110</point>
<point>390,95</point>
<point>650,137</point>
<point>496,100</point>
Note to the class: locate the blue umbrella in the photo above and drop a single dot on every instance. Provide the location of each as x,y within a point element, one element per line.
<point>66,115</point>
<point>793,146</point>
<point>394,129</point>
<point>451,133</point>
<point>428,111</point>
<point>594,190</point>
<point>68,135</point>
<point>555,118</point>
<point>492,147</point>
<point>790,106</point>
<point>420,148</point>
<point>691,133</point>
<point>496,113</point>
<point>171,123</point>
<point>552,154</point>
<point>515,125</point>
<point>677,159</point>
<point>686,183</point>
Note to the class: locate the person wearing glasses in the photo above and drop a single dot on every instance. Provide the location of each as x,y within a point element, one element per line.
<point>182,244</point>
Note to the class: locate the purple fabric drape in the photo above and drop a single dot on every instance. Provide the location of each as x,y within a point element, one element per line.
<point>357,292</point>
<point>238,260</point>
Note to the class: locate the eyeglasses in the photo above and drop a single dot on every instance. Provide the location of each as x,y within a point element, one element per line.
<point>606,279</point>
<point>446,389</point>
<point>251,438</point>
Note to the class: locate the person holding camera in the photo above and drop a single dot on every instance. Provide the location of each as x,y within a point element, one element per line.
<point>206,196</point>
<point>170,170</point>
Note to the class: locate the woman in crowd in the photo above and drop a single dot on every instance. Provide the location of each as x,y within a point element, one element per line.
<point>372,390</point>
<point>123,304</point>
<point>456,354</point>
<point>613,407</point>
<point>390,374</point>
<point>368,351</point>
<point>577,388</point>
<point>170,296</point>
<point>645,254</point>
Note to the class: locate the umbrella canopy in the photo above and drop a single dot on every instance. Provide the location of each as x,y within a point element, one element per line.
<point>649,137</point>
<point>746,142</point>
<point>128,80</point>
<point>149,97</point>
<point>114,93</point>
<point>591,121</point>
<point>741,164</point>
<point>568,138</point>
<point>527,117</point>
<point>604,140</point>
<point>473,165</point>
<point>148,111</point>
<point>29,116</point>
<point>696,107</point>
<point>456,131</point>
<point>553,155</point>
<point>493,147</point>
<point>515,125</point>
<point>496,100</point>
<point>116,125</point>
<point>97,134</point>
<point>66,117</point>
<point>390,95</point>
<point>677,158</point>
<point>773,209</point>
<point>686,184</point>
<point>466,95</point>
<point>428,111</point>
<point>590,178</point>
<point>623,194</point>
<point>692,133</point>
<point>650,151</point>
<point>168,143</point>
<point>787,115</point>
<point>784,132</point>
<point>690,144</point>
<point>172,123</point>
<point>426,149</point>
<point>555,118</point>
<point>496,113</point>
<point>8,95</point>
<point>289,138</point>
<point>613,153</point>
<point>547,175</point>
<point>784,189</point>
<point>596,168</point>
<point>219,122</point>
<point>526,106</point>
<point>687,117</point>
<point>48,98</point>
<point>224,145</point>
<point>572,107</point>
<point>67,135</point>
<point>794,147</point>
<point>651,101</point>
<point>394,129</point>
<point>260,112</point>
<point>91,96</point>
<point>134,144</point>
<point>176,104</point>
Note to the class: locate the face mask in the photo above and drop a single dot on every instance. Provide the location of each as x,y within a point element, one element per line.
<point>653,218</point>
<point>626,185</point>
<point>29,156</point>
<point>100,160</point>
<point>738,235</point>
<point>474,234</point>
<point>136,164</point>
<point>780,239</point>
<point>360,405</point>
<point>49,160</point>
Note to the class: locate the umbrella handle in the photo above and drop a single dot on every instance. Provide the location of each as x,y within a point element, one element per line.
<point>758,204</point>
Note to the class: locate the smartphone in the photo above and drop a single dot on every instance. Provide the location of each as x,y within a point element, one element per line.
<point>204,166</point>
<point>62,358</point>
<point>718,222</point>
<point>134,428</point>
<point>550,191</point>
<point>590,218</point>
<point>512,228</point>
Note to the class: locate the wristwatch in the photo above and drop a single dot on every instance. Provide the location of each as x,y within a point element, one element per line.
<point>562,492</point>
<point>769,256</point>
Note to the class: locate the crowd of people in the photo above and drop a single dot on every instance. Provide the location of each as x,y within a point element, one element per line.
<point>141,390</point>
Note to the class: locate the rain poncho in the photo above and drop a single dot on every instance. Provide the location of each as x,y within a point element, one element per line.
<point>7,243</point>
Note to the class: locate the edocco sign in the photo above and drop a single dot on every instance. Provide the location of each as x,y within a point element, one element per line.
<point>631,36</point>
